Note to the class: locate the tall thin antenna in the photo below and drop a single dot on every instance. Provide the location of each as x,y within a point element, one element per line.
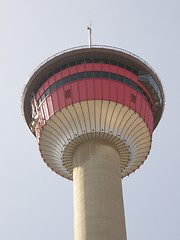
<point>90,35</point>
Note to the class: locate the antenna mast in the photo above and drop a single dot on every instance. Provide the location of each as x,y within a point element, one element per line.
<point>90,35</point>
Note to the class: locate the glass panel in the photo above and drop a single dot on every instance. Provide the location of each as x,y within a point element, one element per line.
<point>120,78</point>
<point>88,60</point>
<point>96,60</point>
<point>50,74</point>
<point>135,72</point>
<point>97,74</point>
<point>53,87</point>
<point>151,81</point>
<point>80,61</point>
<point>120,64</point>
<point>113,76</point>
<point>128,68</point>
<point>89,74</point>
<point>42,97</point>
<point>113,62</point>
<point>128,81</point>
<point>57,70</point>
<point>144,77</point>
<point>139,89</point>
<point>156,86</point>
<point>106,61</point>
<point>47,92</point>
<point>72,63</point>
<point>59,83</point>
<point>133,85</point>
<point>81,75</point>
<point>105,74</point>
<point>68,79</point>
<point>74,77</point>
<point>64,66</point>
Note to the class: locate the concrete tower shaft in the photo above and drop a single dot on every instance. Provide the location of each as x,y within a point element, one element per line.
<point>98,203</point>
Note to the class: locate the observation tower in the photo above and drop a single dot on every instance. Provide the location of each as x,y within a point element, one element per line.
<point>93,111</point>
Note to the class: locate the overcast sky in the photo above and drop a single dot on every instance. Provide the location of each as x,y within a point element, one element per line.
<point>35,203</point>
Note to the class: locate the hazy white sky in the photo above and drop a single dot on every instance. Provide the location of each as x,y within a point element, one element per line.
<point>37,204</point>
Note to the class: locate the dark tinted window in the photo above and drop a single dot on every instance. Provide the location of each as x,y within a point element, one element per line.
<point>106,61</point>
<point>42,97</point>
<point>74,77</point>
<point>50,74</point>
<point>88,60</point>
<point>120,78</point>
<point>128,81</point>
<point>89,74</point>
<point>68,79</point>
<point>59,83</point>
<point>113,76</point>
<point>81,75</point>
<point>97,60</point>
<point>57,70</point>
<point>47,92</point>
<point>53,87</point>
<point>113,62</point>
<point>120,64</point>
<point>97,74</point>
<point>80,61</point>
<point>133,85</point>
<point>64,66</point>
<point>128,68</point>
<point>72,63</point>
<point>139,89</point>
<point>135,72</point>
<point>105,74</point>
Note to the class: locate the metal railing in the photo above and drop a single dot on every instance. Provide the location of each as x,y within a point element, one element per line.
<point>94,46</point>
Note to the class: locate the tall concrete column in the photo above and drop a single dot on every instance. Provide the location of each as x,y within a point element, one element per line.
<point>98,200</point>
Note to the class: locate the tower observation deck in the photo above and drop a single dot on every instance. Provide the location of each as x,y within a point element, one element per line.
<point>93,112</point>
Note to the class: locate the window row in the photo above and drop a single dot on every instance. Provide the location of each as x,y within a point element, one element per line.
<point>84,61</point>
<point>94,74</point>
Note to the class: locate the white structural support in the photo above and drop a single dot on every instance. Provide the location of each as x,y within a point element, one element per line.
<point>98,200</point>
<point>81,122</point>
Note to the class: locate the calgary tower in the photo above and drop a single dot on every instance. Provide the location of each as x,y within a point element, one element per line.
<point>93,110</point>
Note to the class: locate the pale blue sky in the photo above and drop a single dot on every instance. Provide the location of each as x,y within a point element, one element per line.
<point>37,204</point>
